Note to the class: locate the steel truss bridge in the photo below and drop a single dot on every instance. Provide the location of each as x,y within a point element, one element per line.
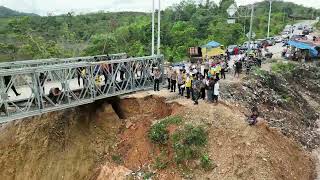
<point>81,80</point>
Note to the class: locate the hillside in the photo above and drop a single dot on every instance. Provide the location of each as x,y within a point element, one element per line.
<point>6,12</point>
<point>183,25</point>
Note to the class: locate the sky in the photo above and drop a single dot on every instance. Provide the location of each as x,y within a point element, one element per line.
<point>55,7</point>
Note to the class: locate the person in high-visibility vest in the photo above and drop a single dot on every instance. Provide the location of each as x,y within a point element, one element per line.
<point>188,85</point>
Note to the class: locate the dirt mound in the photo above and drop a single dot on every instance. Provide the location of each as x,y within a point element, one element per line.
<point>244,152</point>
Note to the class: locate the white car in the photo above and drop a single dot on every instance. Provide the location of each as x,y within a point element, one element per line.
<point>278,39</point>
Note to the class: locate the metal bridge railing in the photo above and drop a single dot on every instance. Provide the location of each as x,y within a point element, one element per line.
<point>74,84</point>
<point>53,61</point>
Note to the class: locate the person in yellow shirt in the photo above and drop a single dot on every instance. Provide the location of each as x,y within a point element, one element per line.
<point>188,85</point>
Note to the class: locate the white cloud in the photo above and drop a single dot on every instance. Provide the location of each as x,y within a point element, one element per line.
<point>62,6</point>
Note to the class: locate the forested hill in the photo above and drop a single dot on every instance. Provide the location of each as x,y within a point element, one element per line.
<point>6,12</point>
<point>183,25</point>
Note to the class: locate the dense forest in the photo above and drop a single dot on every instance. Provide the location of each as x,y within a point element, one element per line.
<point>6,12</point>
<point>183,25</point>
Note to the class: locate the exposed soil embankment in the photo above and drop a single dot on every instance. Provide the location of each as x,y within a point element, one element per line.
<point>109,140</point>
<point>70,144</point>
<point>59,145</point>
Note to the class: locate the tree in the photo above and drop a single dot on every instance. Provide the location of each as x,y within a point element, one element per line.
<point>101,44</point>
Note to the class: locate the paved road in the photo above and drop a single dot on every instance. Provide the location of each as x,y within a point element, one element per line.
<point>277,49</point>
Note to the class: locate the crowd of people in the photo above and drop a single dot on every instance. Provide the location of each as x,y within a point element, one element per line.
<point>201,80</point>
<point>195,81</point>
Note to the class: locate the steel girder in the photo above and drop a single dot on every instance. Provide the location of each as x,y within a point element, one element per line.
<point>55,61</point>
<point>79,83</point>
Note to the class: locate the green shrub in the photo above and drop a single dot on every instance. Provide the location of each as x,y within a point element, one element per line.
<point>159,133</point>
<point>160,163</point>
<point>206,162</point>
<point>172,120</point>
<point>117,159</point>
<point>195,136</point>
<point>188,142</point>
<point>148,175</point>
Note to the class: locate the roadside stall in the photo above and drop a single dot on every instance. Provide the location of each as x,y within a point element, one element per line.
<point>303,50</point>
<point>212,49</point>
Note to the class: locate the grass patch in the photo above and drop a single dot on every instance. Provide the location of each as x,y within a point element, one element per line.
<point>206,162</point>
<point>283,68</point>
<point>148,175</point>
<point>159,133</point>
<point>187,143</point>
<point>259,72</point>
<point>117,159</point>
<point>161,162</point>
<point>287,98</point>
<point>172,120</point>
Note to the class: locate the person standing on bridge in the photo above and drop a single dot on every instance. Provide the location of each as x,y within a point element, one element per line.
<point>81,72</point>
<point>157,76</point>
<point>42,79</point>
<point>7,82</point>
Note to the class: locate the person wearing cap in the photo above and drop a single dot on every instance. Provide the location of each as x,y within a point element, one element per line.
<point>156,76</point>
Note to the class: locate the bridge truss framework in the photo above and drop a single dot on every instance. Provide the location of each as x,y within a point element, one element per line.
<point>80,82</point>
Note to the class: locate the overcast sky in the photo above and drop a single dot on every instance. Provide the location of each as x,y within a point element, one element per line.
<point>43,7</point>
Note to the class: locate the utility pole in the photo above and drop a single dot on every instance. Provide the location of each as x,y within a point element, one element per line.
<point>251,22</point>
<point>270,9</point>
<point>159,20</point>
<point>152,51</point>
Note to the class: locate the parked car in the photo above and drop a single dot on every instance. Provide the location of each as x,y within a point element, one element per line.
<point>278,39</point>
<point>305,32</point>
<point>245,46</point>
<point>271,41</point>
<point>231,49</point>
<point>300,27</point>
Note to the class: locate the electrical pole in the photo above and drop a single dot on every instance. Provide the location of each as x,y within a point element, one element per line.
<point>152,51</point>
<point>270,8</point>
<point>159,20</point>
<point>251,22</point>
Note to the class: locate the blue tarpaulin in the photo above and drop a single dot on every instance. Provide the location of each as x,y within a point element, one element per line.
<point>300,45</point>
<point>211,44</point>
